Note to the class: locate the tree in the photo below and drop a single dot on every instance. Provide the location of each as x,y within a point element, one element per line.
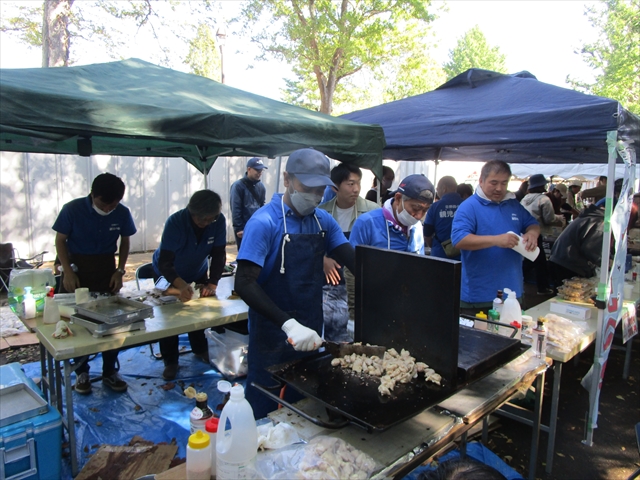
<point>327,41</point>
<point>203,57</point>
<point>616,54</point>
<point>55,33</point>
<point>473,51</point>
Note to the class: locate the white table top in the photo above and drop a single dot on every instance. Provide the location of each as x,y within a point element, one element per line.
<point>168,320</point>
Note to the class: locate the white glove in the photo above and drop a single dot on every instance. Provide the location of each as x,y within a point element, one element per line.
<point>302,338</point>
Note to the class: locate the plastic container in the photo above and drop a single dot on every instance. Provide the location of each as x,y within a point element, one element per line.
<point>511,311</point>
<point>211,428</point>
<point>236,447</point>
<point>29,304</point>
<point>200,413</point>
<point>199,456</point>
<point>51,309</point>
<point>480,325</point>
<point>497,302</point>
<point>495,316</point>
<point>539,340</point>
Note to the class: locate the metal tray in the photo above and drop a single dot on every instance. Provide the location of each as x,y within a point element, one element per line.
<point>20,402</point>
<point>100,329</point>
<point>115,310</point>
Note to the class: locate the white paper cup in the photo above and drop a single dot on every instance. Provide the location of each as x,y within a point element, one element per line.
<point>82,295</point>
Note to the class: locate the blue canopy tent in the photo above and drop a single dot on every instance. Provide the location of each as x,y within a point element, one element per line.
<point>482,115</point>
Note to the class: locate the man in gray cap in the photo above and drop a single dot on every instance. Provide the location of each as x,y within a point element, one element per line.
<point>396,226</point>
<point>280,271</point>
<point>247,196</point>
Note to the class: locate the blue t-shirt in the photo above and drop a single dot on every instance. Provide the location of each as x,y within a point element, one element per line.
<point>439,220</point>
<point>88,232</point>
<point>373,229</point>
<point>262,238</point>
<point>491,269</point>
<point>179,237</point>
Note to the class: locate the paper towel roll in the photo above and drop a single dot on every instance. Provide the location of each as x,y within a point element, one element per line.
<point>522,251</point>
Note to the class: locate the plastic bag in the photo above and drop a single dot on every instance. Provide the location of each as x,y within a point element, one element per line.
<point>322,458</point>
<point>563,334</point>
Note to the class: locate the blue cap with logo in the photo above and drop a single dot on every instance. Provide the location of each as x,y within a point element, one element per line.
<point>311,167</point>
<point>256,163</point>
<point>413,186</point>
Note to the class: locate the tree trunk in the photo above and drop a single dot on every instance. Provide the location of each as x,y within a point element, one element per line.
<point>55,33</point>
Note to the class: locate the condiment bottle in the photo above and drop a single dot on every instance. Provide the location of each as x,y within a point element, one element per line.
<point>498,302</point>
<point>495,316</point>
<point>539,339</point>
<point>479,324</point>
<point>29,304</point>
<point>51,309</point>
<point>212,430</point>
<point>236,447</point>
<point>200,413</point>
<point>199,456</point>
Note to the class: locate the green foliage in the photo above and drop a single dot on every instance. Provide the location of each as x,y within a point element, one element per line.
<point>25,22</point>
<point>616,54</point>
<point>326,41</point>
<point>473,51</point>
<point>203,57</point>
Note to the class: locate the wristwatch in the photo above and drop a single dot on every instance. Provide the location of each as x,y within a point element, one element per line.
<point>121,270</point>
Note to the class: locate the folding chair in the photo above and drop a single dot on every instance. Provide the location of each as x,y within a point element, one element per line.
<point>144,271</point>
<point>10,260</point>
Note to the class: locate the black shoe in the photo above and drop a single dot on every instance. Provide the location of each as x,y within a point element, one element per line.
<point>204,356</point>
<point>114,382</point>
<point>170,371</point>
<point>546,291</point>
<point>83,384</point>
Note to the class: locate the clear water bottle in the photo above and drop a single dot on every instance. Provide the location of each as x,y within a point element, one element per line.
<point>236,447</point>
<point>199,457</point>
<point>539,339</point>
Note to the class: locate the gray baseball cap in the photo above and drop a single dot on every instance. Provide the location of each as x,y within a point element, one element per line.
<point>311,167</point>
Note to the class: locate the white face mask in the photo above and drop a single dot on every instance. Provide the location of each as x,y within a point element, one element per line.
<point>304,203</point>
<point>405,219</point>
<point>100,212</point>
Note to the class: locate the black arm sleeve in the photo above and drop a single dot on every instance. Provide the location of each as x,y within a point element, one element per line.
<point>247,287</point>
<point>167,268</point>
<point>218,260</point>
<point>345,255</point>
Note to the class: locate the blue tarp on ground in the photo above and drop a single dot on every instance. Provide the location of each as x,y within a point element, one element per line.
<point>482,115</point>
<point>146,409</point>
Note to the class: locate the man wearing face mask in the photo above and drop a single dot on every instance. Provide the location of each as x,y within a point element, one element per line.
<point>280,272</point>
<point>396,226</point>
<point>87,233</point>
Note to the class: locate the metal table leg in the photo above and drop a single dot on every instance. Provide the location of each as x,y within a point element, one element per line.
<point>70,420</point>
<point>44,384</point>
<point>553,416</point>
<point>627,360</point>
<point>485,430</point>
<point>537,415</point>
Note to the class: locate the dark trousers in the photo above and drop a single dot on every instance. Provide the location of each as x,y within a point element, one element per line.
<point>560,273</point>
<point>169,347</point>
<point>540,265</point>
<point>238,241</point>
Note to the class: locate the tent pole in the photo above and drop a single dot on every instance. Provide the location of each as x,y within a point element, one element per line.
<point>435,170</point>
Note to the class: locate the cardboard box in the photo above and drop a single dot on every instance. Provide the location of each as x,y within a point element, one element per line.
<point>577,311</point>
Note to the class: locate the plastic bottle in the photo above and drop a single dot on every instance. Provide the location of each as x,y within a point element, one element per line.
<point>200,413</point>
<point>199,456</point>
<point>224,387</point>
<point>498,302</point>
<point>539,339</point>
<point>480,325</point>
<point>51,310</point>
<point>29,303</point>
<point>212,429</point>
<point>494,315</point>
<point>237,447</point>
<point>511,312</point>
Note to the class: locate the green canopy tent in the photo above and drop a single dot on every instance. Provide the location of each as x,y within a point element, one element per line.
<point>135,108</point>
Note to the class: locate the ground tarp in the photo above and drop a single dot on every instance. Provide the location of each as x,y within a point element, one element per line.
<point>135,108</point>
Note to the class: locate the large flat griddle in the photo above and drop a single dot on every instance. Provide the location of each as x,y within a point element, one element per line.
<point>402,301</point>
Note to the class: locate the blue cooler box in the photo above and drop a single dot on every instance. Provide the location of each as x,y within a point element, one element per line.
<point>30,429</point>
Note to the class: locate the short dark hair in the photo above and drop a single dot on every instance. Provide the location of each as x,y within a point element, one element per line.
<point>540,189</point>
<point>460,469</point>
<point>340,173</point>
<point>204,203</point>
<point>385,171</point>
<point>494,167</point>
<point>464,189</point>
<point>108,188</point>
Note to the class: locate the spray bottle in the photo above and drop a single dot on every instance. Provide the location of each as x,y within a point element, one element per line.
<point>51,309</point>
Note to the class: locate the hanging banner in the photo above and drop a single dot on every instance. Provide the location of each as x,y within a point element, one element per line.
<point>619,220</point>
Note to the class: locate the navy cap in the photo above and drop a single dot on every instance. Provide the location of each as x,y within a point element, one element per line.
<point>311,167</point>
<point>413,185</point>
<point>256,163</point>
<point>537,180</point>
